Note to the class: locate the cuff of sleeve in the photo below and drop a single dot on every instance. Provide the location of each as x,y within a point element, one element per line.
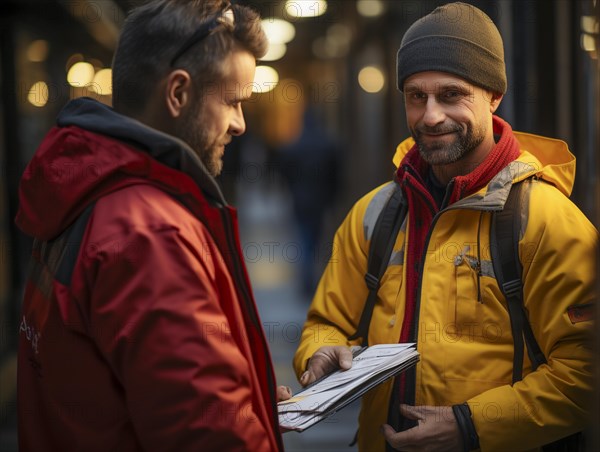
<point>462,413</point>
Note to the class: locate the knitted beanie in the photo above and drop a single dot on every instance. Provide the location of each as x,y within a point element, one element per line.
<point>456,38</point>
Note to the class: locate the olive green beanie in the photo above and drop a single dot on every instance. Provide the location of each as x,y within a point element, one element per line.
<point>456,38</point>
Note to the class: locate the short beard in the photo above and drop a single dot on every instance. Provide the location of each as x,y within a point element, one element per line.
<point>441,153</point>
<point>196,137</point>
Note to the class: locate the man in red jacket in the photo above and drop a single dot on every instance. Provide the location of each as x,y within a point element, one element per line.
<point>139,330</point>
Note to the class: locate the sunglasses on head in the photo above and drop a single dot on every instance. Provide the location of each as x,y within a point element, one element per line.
<point>225,16</point>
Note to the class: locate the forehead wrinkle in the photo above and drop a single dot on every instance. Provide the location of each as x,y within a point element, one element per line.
<point>438,86</point>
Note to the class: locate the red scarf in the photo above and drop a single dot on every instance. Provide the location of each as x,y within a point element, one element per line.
<point>422,208</point>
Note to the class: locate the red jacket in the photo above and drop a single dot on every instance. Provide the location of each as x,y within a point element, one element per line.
<point>139,330</point>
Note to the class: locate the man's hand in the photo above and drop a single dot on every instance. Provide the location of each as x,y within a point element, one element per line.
<point>283,393</point>
<point>437,430</point>
<point>326,360</point>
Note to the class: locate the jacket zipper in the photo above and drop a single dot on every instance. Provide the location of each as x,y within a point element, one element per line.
<point>422,263</point>
<point>414,333</point>
<point>410,379</point>
<point>410,390</point>
<point>416,189</point>
<point>251,309</point>
<point>238,272</point>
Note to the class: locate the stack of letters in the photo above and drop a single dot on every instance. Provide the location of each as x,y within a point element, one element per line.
<point>370,366</point>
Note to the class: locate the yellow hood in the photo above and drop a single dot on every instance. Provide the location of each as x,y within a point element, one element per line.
<point>555,163</point>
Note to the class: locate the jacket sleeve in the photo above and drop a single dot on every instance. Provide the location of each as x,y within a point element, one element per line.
<point>340,296</point>
<point>558,252</point>
<point>157,319</point>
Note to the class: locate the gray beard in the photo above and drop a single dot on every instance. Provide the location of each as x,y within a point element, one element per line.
<point>442,153</point>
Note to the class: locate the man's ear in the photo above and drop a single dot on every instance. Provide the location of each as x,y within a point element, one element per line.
<point>495,102</point>
<point>178,92</point>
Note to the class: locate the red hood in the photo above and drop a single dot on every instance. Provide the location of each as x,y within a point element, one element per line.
<point>73,166</point>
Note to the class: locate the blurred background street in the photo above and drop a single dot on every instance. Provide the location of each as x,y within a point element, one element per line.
<point>273,253</point>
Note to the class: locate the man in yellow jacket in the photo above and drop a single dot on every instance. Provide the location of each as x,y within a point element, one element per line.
<point>439,289</point>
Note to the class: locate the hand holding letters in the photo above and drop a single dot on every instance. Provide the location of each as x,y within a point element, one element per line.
<point>371,366</point>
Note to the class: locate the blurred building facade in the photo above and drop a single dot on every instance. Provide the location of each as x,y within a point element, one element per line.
<point>339,60</point>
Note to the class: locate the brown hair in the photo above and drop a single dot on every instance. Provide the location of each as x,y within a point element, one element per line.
<point>153,33</point>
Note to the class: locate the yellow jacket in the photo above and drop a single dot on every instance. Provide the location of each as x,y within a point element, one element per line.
<point>466,346</point>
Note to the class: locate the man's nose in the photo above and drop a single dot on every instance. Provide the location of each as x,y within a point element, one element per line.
<point>238,123</point>
<point>434,112</point>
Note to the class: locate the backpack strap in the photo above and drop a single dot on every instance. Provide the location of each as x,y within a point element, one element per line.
<point>504,239</point>
<point>382,243</point>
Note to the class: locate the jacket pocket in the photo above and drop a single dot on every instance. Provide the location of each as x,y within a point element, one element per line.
<point>470,313</point>
<point>388,300</point>
<point>479,308</point>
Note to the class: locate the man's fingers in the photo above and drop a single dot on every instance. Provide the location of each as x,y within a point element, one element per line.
<point>325,361</point>
<point>318,366</point>
<point>388,432</point>
<point>436,430</point>
<point>411,412</point>
<point>398,440</point>
<point>307,378</point>
<point>344,358</point>
<point>283,393</point>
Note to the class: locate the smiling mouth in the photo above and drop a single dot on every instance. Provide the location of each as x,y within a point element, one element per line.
<point>434,135</point>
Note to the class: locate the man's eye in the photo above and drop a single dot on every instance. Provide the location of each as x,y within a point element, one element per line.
<point>452,95</point>
<point>418,97</point>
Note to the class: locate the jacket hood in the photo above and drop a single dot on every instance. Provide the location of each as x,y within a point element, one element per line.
<point>546,158</point>
<point>93,151</point>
